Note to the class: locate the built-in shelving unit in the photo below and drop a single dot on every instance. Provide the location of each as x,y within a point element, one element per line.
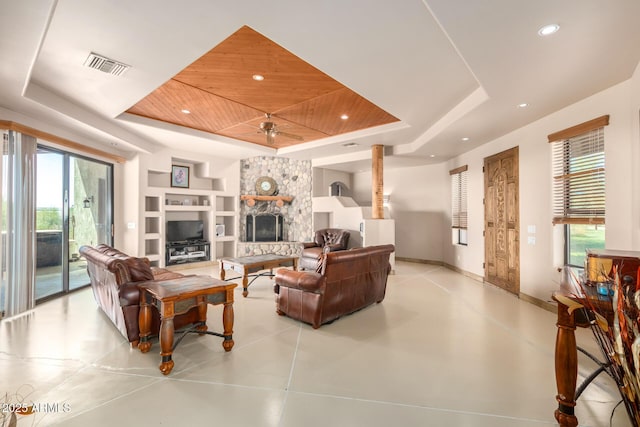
<point>211,205</point>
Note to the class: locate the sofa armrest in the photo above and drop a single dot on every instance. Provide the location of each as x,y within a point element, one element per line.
<point>306,245</point>
<point>304,280</point>
<point>129,294</point>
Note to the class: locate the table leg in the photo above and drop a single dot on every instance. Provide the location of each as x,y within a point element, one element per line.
<point>166,339</point>
<point>245,284</point>
<point>227,322</point>
<point>144,323</point>
<point>202,315</point>
<point>566,368</point>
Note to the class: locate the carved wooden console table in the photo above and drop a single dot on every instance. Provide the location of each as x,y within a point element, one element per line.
<point>572,313</point>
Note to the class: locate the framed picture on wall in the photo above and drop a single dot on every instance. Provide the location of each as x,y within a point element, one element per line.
<point>180,176</point>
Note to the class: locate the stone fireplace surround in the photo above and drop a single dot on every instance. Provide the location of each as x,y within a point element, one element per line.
<point>293,178</point>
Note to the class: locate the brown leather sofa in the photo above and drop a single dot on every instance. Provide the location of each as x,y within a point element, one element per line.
<point>325,240</point>
<point>114,276</point>
<point>347,281</point>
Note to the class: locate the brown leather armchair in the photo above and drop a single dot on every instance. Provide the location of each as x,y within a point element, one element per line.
<point>346,281</point>
<point>325,240</point>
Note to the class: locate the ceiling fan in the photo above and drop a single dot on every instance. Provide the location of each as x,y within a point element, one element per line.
<point>270,129</point>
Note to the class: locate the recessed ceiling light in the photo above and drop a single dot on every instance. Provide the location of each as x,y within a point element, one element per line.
<point>547,30</point>
<point>465,139</point>
<point>523,105</point>
<point>432,155</point>
<point>185,111</point>
<point>258,77</point>
<point>344,117</point>
<point>350,144</point>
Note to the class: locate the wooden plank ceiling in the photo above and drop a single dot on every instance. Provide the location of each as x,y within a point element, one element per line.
<point>222,97</point>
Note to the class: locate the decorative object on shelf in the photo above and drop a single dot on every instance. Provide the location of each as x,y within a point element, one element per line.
<point>180,176</point>
<point>266,186</point>
<point>219,230</point>
<point>187,202</point>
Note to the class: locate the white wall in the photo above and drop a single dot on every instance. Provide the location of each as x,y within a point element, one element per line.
<point>539,261</point>
<point>422,212</point>
<point>419,204</point>
<point>323,178</point>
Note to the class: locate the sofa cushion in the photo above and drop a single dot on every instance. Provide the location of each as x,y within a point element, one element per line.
<point>139,270</point>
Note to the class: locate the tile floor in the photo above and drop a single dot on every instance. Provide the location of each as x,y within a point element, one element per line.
<point>440,350</point>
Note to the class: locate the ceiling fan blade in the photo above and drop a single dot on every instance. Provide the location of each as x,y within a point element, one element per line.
<point>290,135</point>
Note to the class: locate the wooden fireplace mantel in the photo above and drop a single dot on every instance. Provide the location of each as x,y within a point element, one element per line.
<point>280,200</point>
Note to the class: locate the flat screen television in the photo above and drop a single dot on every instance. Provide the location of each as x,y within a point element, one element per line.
<point>184,231</point>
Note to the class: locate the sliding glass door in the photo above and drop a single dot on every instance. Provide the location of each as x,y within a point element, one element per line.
<point>49,223</point>
<point>73,208</point>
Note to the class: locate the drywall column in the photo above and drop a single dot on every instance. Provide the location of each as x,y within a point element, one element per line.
<point>377,184</point>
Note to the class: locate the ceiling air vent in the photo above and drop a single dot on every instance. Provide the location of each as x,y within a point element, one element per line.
<point>106,65</point>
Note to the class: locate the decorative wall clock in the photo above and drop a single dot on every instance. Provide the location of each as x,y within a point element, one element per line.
<point>266,186</point>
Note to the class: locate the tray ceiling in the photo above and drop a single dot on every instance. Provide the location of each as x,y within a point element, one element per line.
<point>222,97</point>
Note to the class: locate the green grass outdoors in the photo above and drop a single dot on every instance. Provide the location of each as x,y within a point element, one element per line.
<point>581,238</point>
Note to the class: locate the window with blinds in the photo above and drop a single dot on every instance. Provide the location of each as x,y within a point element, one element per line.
<point>579,174</point>
<point>459,198</point>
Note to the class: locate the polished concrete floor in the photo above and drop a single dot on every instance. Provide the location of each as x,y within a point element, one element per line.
<point>440,350</point>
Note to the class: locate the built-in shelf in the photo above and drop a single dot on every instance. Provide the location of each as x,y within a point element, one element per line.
<point>280,200</point>
<point>189,208</point>
<point>218,211</point>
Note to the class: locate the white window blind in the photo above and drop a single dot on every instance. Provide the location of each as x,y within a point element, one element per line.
<point>579,178</point>
<point>459,197</point>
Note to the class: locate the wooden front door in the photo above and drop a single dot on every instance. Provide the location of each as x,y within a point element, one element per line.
<point>501,221</point>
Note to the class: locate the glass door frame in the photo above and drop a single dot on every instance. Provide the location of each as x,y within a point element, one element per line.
<point>109,210</point>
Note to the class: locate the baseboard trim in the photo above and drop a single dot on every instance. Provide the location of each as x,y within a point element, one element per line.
<point>419,261</point>
<point>464,272</point>
<point>546,305</point>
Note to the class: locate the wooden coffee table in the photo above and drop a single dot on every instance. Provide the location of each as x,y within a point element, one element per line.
<point>178,296</point>
<point>248,265</point>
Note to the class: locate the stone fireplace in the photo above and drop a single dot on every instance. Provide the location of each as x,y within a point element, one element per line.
<point>289,208</point>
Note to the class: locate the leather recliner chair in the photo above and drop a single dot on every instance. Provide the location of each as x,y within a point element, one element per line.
<point>325,240</point>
